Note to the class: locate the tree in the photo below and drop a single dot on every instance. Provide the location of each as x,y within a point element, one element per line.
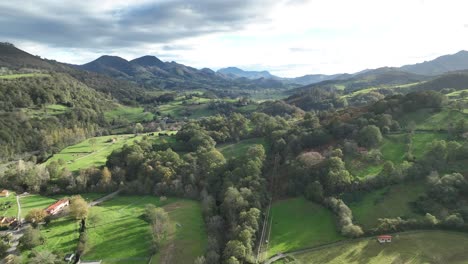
<point>314,191</point>
<point>3,249</point>
<point>44,257</point>
<point>159,220</point>
<point>30,239</point>
<point>370,136</point>
<point>78,207</point>
<point>200,260</point>
<point>236,249</point>
<point>337,176</point>
<point>35,216</point>
<point>13,259</point>
<point>106,176</point>
<point>92,143</point>
<point>138,128</point>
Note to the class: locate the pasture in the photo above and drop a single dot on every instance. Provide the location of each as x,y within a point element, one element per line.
<point>412,247</point>
<point>8,205</point>
<point>130,114</point>
<point>23,75</point>
<point>389,202</point>
<point>232,150</point>
<point>93,152</point>
<point>298,223</point>
<point>122,236</point>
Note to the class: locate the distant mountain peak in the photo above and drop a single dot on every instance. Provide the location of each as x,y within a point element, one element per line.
<point>148,61</point>
<point>239,73</point>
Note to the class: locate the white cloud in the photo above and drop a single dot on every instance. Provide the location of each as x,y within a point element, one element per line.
<point>293,38</point>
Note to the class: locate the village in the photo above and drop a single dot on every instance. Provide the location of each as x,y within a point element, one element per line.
<point>12,228</point>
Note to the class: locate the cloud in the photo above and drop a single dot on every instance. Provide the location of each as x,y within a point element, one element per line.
<point>77,25</point>
<point>287,37</point>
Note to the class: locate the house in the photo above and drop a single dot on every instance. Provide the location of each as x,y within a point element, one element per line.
<point>4,193</point>
<point>8,221</point>
<point>57,206</point>
<point>384,239</point>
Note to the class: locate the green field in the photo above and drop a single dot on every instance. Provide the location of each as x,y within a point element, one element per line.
<point>130,114</point>
<point>392,148</point>
<point>233,150</point>
<point>422,140</point>
<point>298,223</point>
<point>33,201</point>
<point>23,75</point>
<point>8,205</point>
<point>85,155</point>
<point>122,236</point>
<point>61,236</point>
<point>430,119</point>
<point>389,202</point>
<point>412,247</point>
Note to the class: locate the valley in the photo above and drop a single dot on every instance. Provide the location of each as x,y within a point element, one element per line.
<point>231,166</point>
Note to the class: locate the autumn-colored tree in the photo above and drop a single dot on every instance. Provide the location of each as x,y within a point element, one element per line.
<point>106,176</point>
<point>35,216</point>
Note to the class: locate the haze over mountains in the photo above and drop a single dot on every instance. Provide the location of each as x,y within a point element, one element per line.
<point>151,70</point>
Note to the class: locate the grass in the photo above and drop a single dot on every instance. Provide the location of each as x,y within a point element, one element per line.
<point>393,148</point>
<point>298,223</point>
<point>8,205</point>
<point>61,238</point>
<point>416,248</point>
<point>232,150</point>
<point>61,235</point>
<point>48,110</point>
<point>85,154</point>
<point>23,75</point>
<point>389,202</point>
<point>123,236</point>
<point>131,114</point>
<point>421,141</point>
<point>430,119</point>
<point>34,201</point>
<point>188,238</point>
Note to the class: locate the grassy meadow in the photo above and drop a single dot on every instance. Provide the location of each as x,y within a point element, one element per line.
<point>389,202</point>
<point>88,154</point>
<point>23,75</point>
<point>122,236</point>
<point>131,114</point>
<point>412,247</point>
<point>298,223</point>
<point>232,150</point>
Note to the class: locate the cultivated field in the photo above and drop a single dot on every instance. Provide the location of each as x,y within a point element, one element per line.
<point>413,247</point>
<point>298,223</point>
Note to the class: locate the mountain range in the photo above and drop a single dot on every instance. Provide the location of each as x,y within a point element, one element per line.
<point>152,73</point>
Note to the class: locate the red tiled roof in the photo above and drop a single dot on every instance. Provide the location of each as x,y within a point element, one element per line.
<point>385,236</point>
<point>56,204</point>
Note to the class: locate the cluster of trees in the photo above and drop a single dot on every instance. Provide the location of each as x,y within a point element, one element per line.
<point>445,197</point>
<point>159,221</point>
<point>345,217</point>
<point>23,131</point>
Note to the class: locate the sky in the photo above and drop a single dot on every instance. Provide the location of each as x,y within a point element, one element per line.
<point>289,38</point>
